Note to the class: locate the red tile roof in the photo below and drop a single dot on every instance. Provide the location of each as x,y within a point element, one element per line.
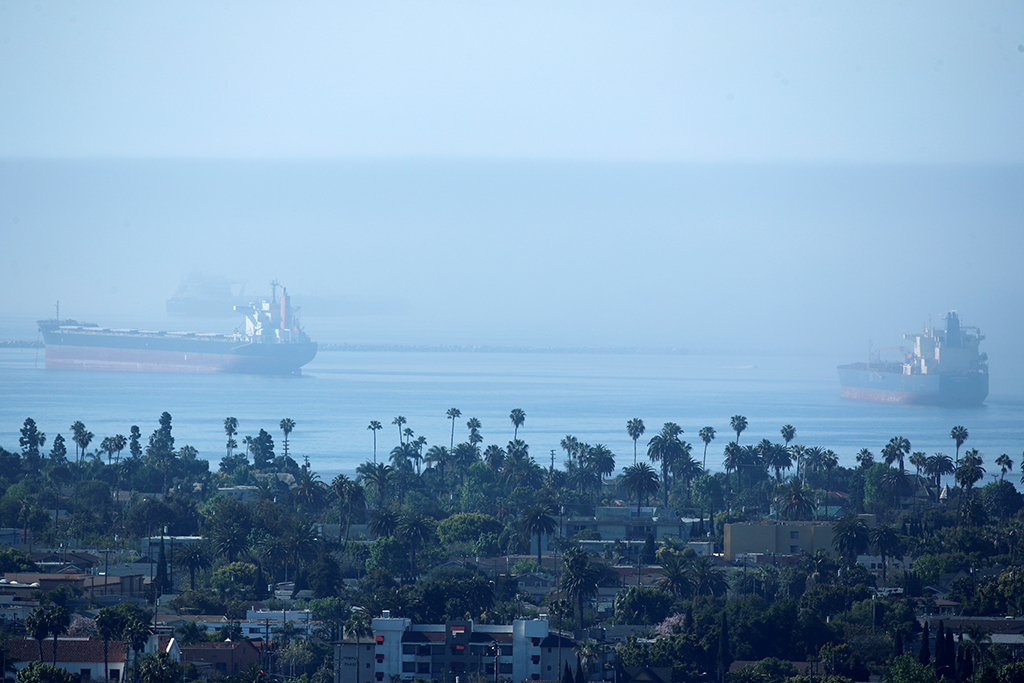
<point>75,650</point>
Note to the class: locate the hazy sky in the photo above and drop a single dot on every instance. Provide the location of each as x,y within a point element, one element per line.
<point>763,176</point>
<point>689,81</point>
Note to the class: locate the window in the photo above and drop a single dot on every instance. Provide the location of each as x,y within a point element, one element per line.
<point>408,667</point>
<point>794,534</point>
<point>86,674</point>
<point>794,549</point>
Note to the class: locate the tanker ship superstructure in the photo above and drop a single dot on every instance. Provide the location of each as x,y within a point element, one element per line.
<point>944,367</point>
<point>273,343</point>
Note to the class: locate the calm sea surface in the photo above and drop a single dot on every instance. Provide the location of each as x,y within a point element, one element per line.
<point>590,396</point>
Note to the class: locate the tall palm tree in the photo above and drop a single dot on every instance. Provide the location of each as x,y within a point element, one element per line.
<point>579,578</point>
<point>374,426</point>
<point>518,417</point>
<point>537,521</point>
<point>788,433</point>
<point>399,421</point>
<point>733,460</point>
<point>351,497</point>
<point>58,621</point>
<point>474,425</point>
<point>738,424</point>
<point>895,451</point>
<point>357,627</point>
<point>231,428</point>
<point>641,481</point>
<point>667,448</point>
<point>707,435</point>
<point>938,466</point>
<point>1005,465</point>
<point>37,624</point>
<point>377,476</point>
<point>829,460</point>
<point>287,425</point>
<point>452,414</point>
<point>108,627</point>
<point>415,530</point>
<point>635,428</point>
<point>887,543</point>
<point>865,458</point>
<point>959,435</point>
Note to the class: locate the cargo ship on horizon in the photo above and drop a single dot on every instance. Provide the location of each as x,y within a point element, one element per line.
<point>273,344</point>
<point>944,368</point>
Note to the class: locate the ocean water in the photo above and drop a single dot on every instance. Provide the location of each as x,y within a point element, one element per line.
<point>588,395</point>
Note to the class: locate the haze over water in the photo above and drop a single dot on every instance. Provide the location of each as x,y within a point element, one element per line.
<point>590,396</point>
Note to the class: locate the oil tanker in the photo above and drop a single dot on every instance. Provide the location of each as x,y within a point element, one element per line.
<point>944,367</point>
<point>273,344</point>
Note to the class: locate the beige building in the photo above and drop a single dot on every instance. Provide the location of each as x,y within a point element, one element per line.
<point>777,538</point>
<point>781,538</point>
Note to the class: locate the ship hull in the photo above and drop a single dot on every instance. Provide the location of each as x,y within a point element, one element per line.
<point>115,351</point>
<point>864,383</point>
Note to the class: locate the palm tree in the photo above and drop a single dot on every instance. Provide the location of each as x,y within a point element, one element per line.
<point>400,420</point>
<point>707,578</point>
<point>287,425</point>
<point>518,417</point>
<point>1005,465</point>
<point>452,414</point>
<point>374,426</point>
<point>357,626</point>
<point>886,543</point>
<point>641,481</point>
<point>675,574</point>
<point>733,460</point>
<point>738,423</point>
<point>537,521</point>
<point>438,457</point>
<point>667,448</point>
<point>788,433</point>
<point>959,435</point>
<point>231,428</point>
<point>107,625</point>
<point>865,458</point>
<point>494,456</point>
<point>474,425</point>
<point>377,476</point>
<point>707,435</point>
<point>895,451</point>
<point>775,456</point>
<point>850,537</point>
<point>829,460</point>
<point>415,530</point>
<point>970,471</point>
<point>796,503</point>
<point>352,496</point>
<point>58,621</point>
<point>38,625</point>
<point>579,578</point>
<point>635,428</point>
<point>193,557</point>
<point>938,466</point>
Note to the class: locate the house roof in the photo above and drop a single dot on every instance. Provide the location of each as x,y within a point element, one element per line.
<point>68,650</point>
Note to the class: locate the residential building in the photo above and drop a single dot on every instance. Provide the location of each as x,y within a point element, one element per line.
<point>526,650</point>
<point>79,656</point>
<point>222,658</point>
<point>776,538</point>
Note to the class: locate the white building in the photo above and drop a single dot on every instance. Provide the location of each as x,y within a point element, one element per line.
<point>526,650</point>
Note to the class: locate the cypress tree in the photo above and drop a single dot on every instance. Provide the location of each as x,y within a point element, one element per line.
<point>724,655</point>
<point>940,646</point>
<point>897,644</point>
<point>924,656</point>
<point>567,673</point>
<point>580,678</point>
